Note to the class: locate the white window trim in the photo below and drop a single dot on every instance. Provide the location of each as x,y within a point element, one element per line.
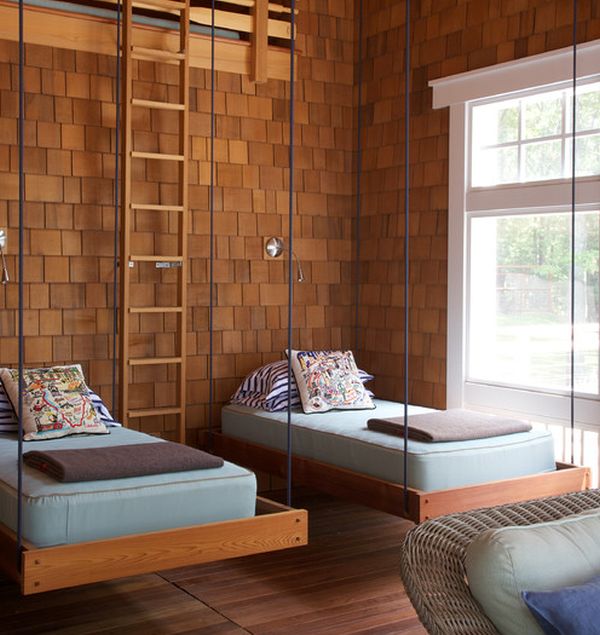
<point>457,181</point>
<point>455,91</point>
<point>544,69</point>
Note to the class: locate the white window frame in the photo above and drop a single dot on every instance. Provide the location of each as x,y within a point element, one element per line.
<point>455,92</point>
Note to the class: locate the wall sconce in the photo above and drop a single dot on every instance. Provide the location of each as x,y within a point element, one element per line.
<point>5,278</point>
<point>275,246</point>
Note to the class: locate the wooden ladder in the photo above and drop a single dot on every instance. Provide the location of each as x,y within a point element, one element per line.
<point>133,202</point>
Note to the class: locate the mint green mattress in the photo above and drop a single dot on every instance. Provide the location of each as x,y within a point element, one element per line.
<point>57,513</point>
<point>341,438</point>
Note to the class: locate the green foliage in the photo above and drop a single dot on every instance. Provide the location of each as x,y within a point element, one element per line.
<point>542,244</point>
<point>542,160</point>
<point>543,117</point>
<point>508,124</point>
<point>538,249</point>
<point>588,110</point>
<point>587,155</point>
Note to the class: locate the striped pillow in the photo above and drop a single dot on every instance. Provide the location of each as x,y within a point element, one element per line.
<point>103,412</point>
<point>266,388</point>
<point>8,417</point>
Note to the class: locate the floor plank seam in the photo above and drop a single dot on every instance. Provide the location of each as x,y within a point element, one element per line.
<point>212,608</point>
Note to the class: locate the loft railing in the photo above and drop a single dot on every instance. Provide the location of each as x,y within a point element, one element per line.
<point>253,36</point>
<point>259,22</point>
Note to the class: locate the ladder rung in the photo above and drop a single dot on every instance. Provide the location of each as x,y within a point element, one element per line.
<point>150,361</point>
<point>155,258</point>
<point>152,412</point>
<point>156,55</point>
<point>166,5</point>
<point>155,309</point>
<point>157,155</point>
<point>160,105</point>
<point>157,208</point>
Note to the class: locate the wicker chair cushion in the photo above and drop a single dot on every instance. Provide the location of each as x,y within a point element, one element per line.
<point>502,563</point>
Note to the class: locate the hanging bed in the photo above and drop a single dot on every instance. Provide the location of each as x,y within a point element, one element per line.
<point>336,453</point>
<point>83,499</point>
<point>80,532</point>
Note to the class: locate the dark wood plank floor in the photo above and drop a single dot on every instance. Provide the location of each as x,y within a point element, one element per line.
<point>345,582</point>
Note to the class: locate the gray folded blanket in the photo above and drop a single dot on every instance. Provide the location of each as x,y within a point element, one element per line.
<point>119,461</point>
<point>449,425</point>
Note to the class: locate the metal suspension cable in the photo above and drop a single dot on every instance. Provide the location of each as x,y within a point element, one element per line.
<point>406,242</point>
<point>211,205</point>
<point>116,215</point>
<point>358,175</point>
<point>21,285</point>
<point>290,252</point>
<point>573,194</point>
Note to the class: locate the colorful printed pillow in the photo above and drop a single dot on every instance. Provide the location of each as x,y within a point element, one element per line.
<point>8,417</point>
<point>56,402</point>
<point>329,380</point>
<point>267,388</point>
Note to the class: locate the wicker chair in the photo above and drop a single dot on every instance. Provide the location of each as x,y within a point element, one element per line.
<point>433,554</point>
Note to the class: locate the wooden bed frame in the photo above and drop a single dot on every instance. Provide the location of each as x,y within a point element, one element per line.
<point>44,569</point>
<point>389,497</point>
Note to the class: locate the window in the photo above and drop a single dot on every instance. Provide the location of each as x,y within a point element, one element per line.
<point>530,138</point>
<point>518,287</point>
<point>519,301</point>
<point>509,250</point>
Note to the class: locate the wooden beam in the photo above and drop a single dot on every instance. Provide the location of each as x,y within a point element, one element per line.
<point>168,6</point>
<point>260,42</point>
<point>273,6</point>
<point>65,566</point>
<point>93,34</point>
<point>242,22</point>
